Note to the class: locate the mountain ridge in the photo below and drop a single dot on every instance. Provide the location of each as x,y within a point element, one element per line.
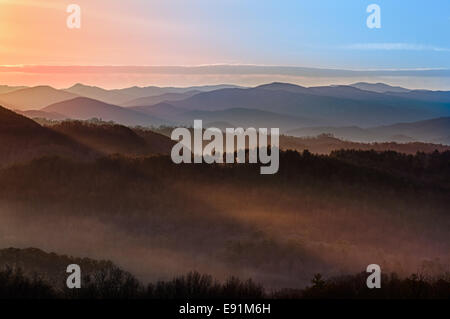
<point>379,87</point>
<point>82,108</point>
<point>436,130</point>
<point>35,97</point>
<point>22,140</point>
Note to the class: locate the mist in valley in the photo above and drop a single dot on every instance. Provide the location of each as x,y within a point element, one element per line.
<point>320,214</point>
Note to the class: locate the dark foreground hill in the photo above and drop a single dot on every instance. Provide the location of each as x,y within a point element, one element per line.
<point>110,138</point>
<point>22,139</point>
<point>50,267</point>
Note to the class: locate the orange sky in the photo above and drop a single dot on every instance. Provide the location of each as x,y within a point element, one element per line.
<point>194,32</point>
<point>35,32</point>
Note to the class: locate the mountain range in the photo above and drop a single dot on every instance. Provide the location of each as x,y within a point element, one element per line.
<point>348,111</point>
<point>431,131</point>
<point>166,97</point>
<point>22,139</point>
<point>242,117</point>
<point>337,105</point>
<point>83,108</point>
<point>34,98</point>
<point>126,96</point>
<point>6,88</point>
<point>379,87</point>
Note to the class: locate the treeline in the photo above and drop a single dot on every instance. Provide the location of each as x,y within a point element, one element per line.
<point>110,138</point>
<point>319,213</point>
<point>22,140</point>
<point>51,266</point>
<point>327,143</point>
<point>114,283</point>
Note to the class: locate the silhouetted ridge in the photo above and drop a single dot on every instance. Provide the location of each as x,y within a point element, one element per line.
<point>32,273</point>
<point>113,138</point>
<point>83,108</point>
<point>13,121</point>
<point>50,266</point>
<point>22,139</point>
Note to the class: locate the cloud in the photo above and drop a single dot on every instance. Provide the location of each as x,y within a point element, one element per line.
<point>395,47</point>
<point>208,70</point>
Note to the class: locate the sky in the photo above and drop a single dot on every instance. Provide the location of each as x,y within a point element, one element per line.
<point>325,34</point>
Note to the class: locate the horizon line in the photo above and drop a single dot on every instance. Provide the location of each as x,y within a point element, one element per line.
<point>7,67</point>
<point>245,75</point>
<point>207,85</point>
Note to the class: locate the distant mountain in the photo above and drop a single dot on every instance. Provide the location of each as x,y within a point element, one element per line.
<point>41,114</point>
<point>233,116</point>
<point>139,92</point>
<point>430,131</point>
<point>349,133</point>
<point>438,102</point>
<point>379,87</point>
<point>434,130</point>
<point>83,108</point>
<point>424,96</point>
<point>7,88</point>
<point>126,96</point>
<point>96,93</point>
<point>245,118</point>
<point>334,106</point>
<point>339,91</point>
<point>166,97</point>
<point>325,144</point>
<point>113,138</point>
<point>221,125</point>
<point>162,110</point>
<point>287,87</point>
<point>34,98</point>
<point>22,140</point>
<point>347,92</point>
<point>328,106</point>
<point>209,88</point>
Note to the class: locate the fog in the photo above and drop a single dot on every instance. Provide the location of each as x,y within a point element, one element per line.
<point>158,220</point>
